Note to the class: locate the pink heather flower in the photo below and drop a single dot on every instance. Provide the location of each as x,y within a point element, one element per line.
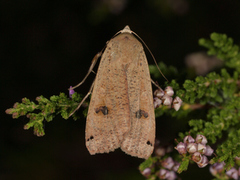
<point>71,92</point>
<point>146,172</point>
<point>167,100</point>
<point>237,158</point>
<point>168,163</point>
<point>169,91</point>
<point>232,173</point>
<point>160,151</point>
<point>216,168</point>
<point>171,175</point>
<point>192,148</point>
<point>203,162</point>
<point>176,166</point>
<point>209,151</point>
<point>181,148</point>
<point>201,139</point>
<point>177,103</point>
<point>157,102</point>
<point>163,174</point>
<point>159,93</point>
<point>201,148</point>
<point>188,139</point>
<point>197,157</point>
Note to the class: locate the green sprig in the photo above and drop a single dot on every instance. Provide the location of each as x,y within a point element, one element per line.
<point>223,47</point>
<point>44,110</point>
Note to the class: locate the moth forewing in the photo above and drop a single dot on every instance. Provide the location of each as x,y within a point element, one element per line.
<point>139,141</point>
<point>121,111</point>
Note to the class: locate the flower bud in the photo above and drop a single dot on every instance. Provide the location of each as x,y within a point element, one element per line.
<point>197,157</point>
<point>38,98</point>
<point>201,139</point>
<point>163,174</point>
<point>192,148</point>
<point>15,115</point>
<point>71,92</point>
<point>9,111</point>
<point>159,93</point>
<point>24,100</point>
<point>157,102</point>
<point>209,151</point>
<point>146,172</point>
<point>167,100</point>
<point>188,139</point>
<point>201,148</point>
<point>169,91</point>
<point>181,148</point>
<point>177,102</point>
<point>25,127</point>
<point>15,105</point>
<point>232,173</point>
<point>203,162</point>
<point>176,166</point>
<point>160,151</point>
<point>168,163</point>
<point>171,175</point>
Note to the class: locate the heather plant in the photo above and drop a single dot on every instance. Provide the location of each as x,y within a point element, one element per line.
<point>216,93</point>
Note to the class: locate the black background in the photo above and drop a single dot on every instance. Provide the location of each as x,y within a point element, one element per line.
<point>46,46</point>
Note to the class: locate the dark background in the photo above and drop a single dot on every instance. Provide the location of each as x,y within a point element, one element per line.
<point>46,46</point>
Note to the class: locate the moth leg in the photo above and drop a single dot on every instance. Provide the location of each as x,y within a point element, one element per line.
<point>156,84</point>
<point>79,105</point>
<point>90,69</point>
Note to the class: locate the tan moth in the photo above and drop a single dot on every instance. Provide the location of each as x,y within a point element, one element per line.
<point>121,110</point>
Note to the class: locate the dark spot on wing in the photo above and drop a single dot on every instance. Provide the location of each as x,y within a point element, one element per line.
<point>141,113</point>
<point>91,138</point>
<point>103,109</point>
<point>149,143</point>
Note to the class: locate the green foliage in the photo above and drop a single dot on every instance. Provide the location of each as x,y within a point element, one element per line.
<point>44,109</point>
<point>214,100</point>
<point>148,163</point>
<point>223,47</point>
<point>212,89</point>
<point>217,98</point>
<point>218,94</point>
<point>229,149</point>
<point>184,164</point>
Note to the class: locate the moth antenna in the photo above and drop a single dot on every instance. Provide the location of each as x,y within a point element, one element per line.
<point>80,104</point>
<point>150,53</point>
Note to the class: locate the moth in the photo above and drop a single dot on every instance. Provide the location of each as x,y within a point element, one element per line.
<point>121,110</point>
